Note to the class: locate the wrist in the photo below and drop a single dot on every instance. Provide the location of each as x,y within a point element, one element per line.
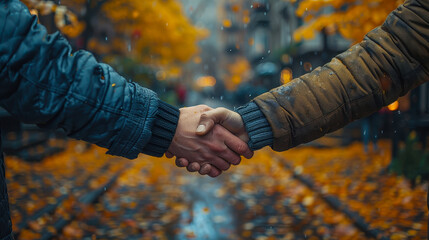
<point>163,130</point>
<point>258,129</point>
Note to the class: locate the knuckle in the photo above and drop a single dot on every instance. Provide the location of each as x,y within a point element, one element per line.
<point>204,116</point>
<point>218,149</point>
<point>205,156</point>
<point>217,131</point>
<point>241,149</point>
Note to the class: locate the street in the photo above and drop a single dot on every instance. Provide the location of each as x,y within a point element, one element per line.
<point>299,194</point>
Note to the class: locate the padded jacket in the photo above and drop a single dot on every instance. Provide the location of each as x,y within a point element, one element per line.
<point>390,61</point>
<point>43,82</point>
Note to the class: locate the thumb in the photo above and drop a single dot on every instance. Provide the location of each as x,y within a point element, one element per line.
<point>210,118</point>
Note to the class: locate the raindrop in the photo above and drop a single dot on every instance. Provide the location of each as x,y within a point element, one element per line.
<point>399,112</point>
<point>382,131</point>
<point>300,63</point>
<point>104,188</point>
<point>265,13</point>
<point>221,28</point>
<point>251,6</point>
<point>166,24</point>
<point>129,47</point>
<point>262,58</point>
<point>269,51</point>
<point>105,38</point>
<point>164,90</point>
<point>250,95</point>
<point>331,73</point>
<point>306,9</point>
<point>364,132</point>
<point>221,98</point>
<point>63,190</point>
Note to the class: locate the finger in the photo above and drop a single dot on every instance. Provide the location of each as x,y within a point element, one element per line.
<point>210,118</point>
<point>205,169</point>
<point>238,146</point>
<point>233,142</point>
<point>230,156</point>
<point>181,162</point>
<point>193,167</point>
<point>220,163</point>
<point>169,154</point>
<point>214,172</point>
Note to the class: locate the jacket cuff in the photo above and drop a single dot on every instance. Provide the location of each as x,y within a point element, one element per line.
<point>257,126</point>
<point>163,130</point>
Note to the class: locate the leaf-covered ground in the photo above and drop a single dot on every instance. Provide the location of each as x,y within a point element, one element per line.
<point>67,196</point>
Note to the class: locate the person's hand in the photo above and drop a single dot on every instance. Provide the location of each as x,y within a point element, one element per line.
<point>228,119</point>
<point>212,152</point>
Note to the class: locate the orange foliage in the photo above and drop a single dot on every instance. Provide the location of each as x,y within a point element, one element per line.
<point>387,202</point>
<point>155,32</point>
<point>157,27</point>
<point>65,20</point>
<point>238,72</point>
<point>358,18</point>
<point>261,190</point>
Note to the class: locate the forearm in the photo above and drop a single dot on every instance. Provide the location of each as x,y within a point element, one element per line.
<point>389,62</point>
<point>42,82</point>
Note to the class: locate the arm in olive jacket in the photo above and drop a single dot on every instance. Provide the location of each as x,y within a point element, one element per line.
<point>390,61</point>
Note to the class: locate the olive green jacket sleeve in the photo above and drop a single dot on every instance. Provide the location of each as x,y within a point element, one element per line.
<point>390,61</point>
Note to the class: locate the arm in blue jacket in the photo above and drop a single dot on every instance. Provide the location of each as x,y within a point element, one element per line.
<point>43,82</point>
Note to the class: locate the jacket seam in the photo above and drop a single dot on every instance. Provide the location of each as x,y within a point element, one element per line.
<point>291,130</point>
<point>136,136</point>
<point>402,20</point>
<point>421,4</point>
<point>314,96</point>
<point>410,27</point>
<point>78,97</point>
<point>393,64</point>
<point>316,119</point>
<point>348,101</point>
<point>22,37</point>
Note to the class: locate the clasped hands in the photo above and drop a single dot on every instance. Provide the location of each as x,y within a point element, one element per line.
<point>209,140</point>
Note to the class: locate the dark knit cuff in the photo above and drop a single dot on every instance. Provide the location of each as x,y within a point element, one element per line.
<point>257,126</point>
<point>163,130</point>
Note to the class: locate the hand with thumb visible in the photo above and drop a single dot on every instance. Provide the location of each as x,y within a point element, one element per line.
<point>228,119</point>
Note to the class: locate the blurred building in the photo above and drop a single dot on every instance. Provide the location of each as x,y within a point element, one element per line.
<point>261,31</point>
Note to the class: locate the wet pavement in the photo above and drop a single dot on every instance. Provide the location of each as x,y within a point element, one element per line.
<point>151,198</point>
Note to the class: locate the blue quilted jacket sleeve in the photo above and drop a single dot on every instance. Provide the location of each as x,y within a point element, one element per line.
<point>43,82</point>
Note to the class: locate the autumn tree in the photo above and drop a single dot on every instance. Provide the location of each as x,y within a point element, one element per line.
<point>351,18</point>
<point>154,32</point>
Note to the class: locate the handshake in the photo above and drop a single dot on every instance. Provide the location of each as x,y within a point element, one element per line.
<point>209,140</point>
